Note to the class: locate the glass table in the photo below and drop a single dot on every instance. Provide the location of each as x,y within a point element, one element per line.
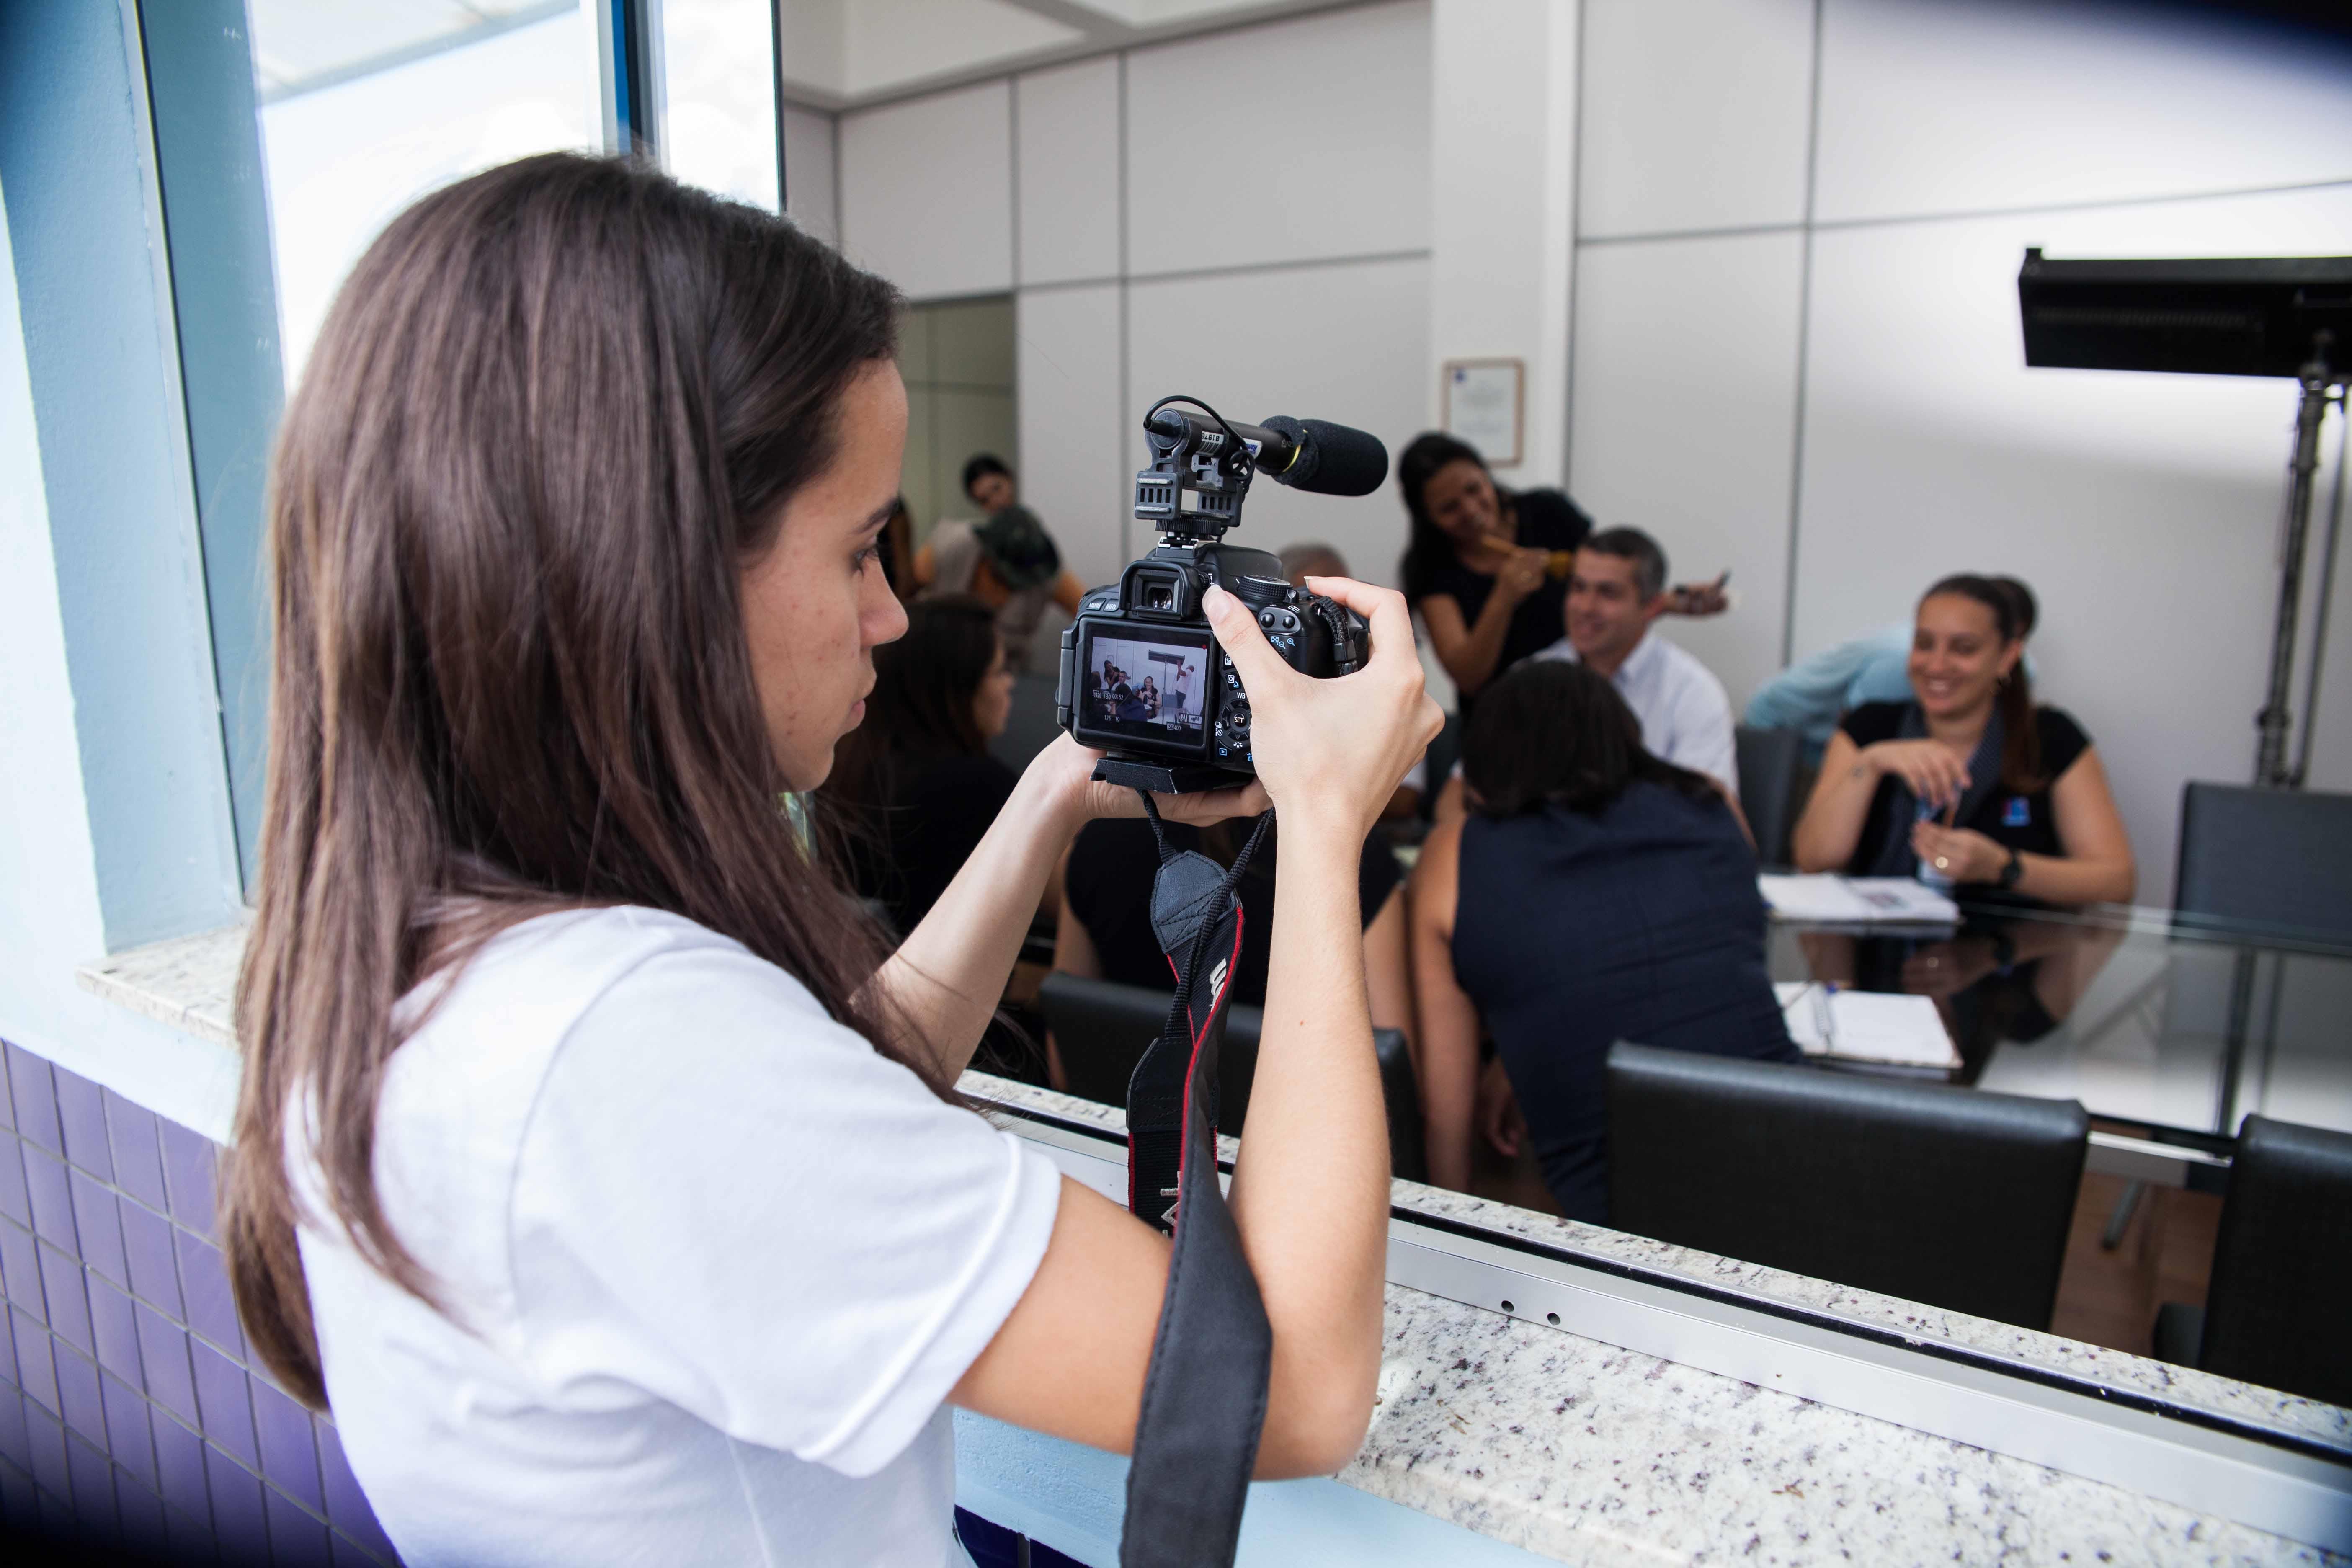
<point>2176,1030</point>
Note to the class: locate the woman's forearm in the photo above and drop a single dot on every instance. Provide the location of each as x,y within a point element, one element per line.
<point>1478,653</point>
<point>1310,1191</point>
<point>1832,825</point>
<point>947,977</point>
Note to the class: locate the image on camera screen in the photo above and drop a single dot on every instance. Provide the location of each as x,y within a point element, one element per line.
<point>1149,690</point>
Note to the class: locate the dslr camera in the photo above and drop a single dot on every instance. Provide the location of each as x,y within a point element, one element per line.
<point>1141,675</point>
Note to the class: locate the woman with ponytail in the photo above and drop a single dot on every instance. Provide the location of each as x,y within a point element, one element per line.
<point>596,1161</point>
<point>1969,779</point>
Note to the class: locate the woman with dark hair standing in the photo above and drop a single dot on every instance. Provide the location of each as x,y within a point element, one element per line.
<point>916,779</point>
<point>1487,568</point>
<point>592,1157</point>
<point>1593,894</point>
<point>1970,778</point>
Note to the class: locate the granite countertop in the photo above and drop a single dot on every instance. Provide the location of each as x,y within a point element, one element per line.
<point>1586,1453</point>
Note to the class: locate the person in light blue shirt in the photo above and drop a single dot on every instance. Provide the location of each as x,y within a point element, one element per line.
<point>1812,694</point>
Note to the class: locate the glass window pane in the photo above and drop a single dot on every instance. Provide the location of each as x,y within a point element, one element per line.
<point>367,104</point>
<point>719,96</point>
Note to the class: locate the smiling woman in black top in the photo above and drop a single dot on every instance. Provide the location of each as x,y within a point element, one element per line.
<point>1487,568</point>
<point>1970,777</point>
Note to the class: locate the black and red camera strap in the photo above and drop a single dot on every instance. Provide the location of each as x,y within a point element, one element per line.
<point>1205,1395</point>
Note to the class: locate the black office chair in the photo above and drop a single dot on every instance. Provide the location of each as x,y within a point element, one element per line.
<point>1767,787</point>
<point>1029,729</point>
<point>2270,862</point>
<point>1101,1027</point>
<point>1950,1196</point>
<point>2276,1311</point>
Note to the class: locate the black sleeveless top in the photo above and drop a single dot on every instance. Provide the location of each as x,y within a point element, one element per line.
<point>1547,520</point>
<point>1574,932</point>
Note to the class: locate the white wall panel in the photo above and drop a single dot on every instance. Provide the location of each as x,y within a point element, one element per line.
<point>1695,114</point>
<point>809,195</point>
<point>1684,404</point>
<point>927,191</point>
<point>1933,106</point>
<point>1323,123</point>
<point>1067,148</point>
<point>2143,509</point>
<point>1078,458</point>
<point>1350,344</point>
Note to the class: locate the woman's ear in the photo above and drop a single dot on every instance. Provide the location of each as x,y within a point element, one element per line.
<point>2008,658</point>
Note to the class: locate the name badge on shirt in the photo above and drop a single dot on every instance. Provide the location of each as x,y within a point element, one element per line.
<point>2018,813</point>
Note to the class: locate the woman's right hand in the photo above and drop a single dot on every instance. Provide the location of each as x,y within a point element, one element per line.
<point>1521,572</point>
<point>1931,770</point>
<point>1334,747</point>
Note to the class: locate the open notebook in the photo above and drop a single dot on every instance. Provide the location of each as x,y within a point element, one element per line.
<point>1829,900</point>
<point>1865,1025</point>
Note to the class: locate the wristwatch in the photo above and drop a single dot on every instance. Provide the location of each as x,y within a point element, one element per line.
<point>2013,871</point>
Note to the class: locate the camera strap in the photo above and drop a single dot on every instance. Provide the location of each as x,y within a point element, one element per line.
<point>1204,1396</point>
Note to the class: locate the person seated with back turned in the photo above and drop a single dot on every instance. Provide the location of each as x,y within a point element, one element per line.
<point>1811,695</point>
<point>916,781</point>
<point>1969,776</point>
<point>1617,589</point>
<point>1487,568</point>
<point>1007,560</point>
<point>1594,893</point>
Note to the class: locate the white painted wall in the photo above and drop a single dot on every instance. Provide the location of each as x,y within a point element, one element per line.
<point>1298,285</point>
<point>810,198</point>
<point>51,920</point>
<point>1848,393</point>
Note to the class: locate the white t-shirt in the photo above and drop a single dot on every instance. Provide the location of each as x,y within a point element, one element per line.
<point>717,1264</point>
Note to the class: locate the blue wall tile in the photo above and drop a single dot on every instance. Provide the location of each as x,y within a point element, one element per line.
<point>20,1271</point>
<point>348,1555</point>
<point>114,1324</point>
<point>221,1396</point>
<point>289,1455</point>
<point>19,1505</point>
<point>142,1515</point>
<point>35,1100</point>
<point>180,1471</point>
<point>98,1220</point>
<point>7,1100</point>
<point>15,1440</point>
<point>188,1175</point>
<point>163,1358</point>
<point>7,1344</point>
<point>45,1178</point>
<point>92,1475</point>
<point>35,1374</point>
<point>296,1539</point>
<point>14,1201</point>
<point>347,1506</point>
<point>155,1273</point>
<point>128,1437</point>
<point>191,1535</point>
<point>212,1310</point>
<point>138,1151</point>
<point>84,1411</point>
<point>68,1298</point>
<point>82,1117</point>
<point>239,1523</point>
<point>49,1436</point>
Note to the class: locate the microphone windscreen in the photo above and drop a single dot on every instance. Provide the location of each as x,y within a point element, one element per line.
<point>1333,459</point>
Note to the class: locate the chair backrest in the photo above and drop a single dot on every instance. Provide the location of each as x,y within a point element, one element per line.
<point>2275,1313</point>
<point>1950,1196</point>
<point>1101,1027</point>
<point>1767,787</point>
<point>1029,729</point>
<point>2278,862</point>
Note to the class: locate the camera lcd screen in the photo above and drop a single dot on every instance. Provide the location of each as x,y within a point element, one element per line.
<point>1145,687</point>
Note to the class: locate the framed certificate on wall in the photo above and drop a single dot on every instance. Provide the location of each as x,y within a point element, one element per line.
<point>1483,403</point>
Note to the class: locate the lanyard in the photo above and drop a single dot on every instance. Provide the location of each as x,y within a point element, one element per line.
<point>1204,1396</point>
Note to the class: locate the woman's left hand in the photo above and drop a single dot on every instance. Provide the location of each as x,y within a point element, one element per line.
<point>1066,769</point>
<point>1960,853</point>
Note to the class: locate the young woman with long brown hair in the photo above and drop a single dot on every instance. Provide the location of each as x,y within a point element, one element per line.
<point>592,1161</point>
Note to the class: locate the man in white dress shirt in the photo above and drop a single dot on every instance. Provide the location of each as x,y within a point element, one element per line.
<point>1619,587</point>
